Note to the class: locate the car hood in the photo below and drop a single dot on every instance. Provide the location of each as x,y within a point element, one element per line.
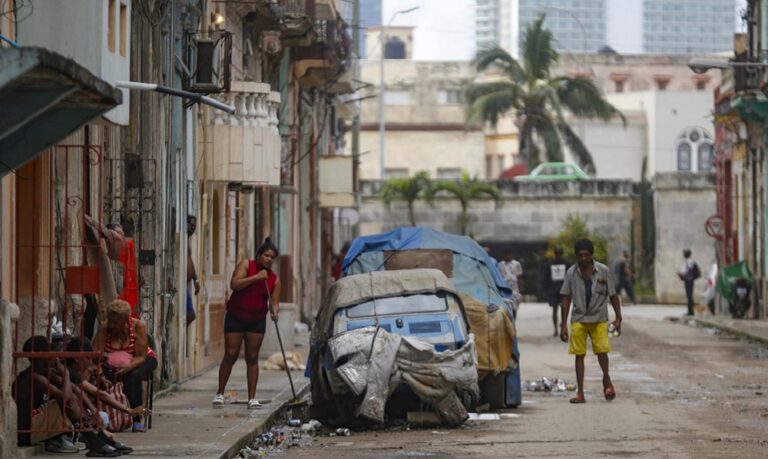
<point>357,288</point>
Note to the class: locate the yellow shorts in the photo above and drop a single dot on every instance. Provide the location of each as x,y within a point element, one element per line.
<point>598,334</point>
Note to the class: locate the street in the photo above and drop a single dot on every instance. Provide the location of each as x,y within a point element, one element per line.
<point>683,391</point>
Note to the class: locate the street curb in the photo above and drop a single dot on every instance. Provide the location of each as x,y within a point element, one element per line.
<point>283,399</point>
<point>731,330</point>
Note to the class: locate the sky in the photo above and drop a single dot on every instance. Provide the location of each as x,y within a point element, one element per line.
<point>445,28</point>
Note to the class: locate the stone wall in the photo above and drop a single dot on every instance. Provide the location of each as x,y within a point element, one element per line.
<point>533,211</point>
<point>683,202</point>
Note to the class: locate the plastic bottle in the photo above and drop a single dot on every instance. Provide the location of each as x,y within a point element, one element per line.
<point>612,331</point>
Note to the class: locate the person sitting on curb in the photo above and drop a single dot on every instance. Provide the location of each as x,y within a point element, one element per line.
<point>41,392</point>
<point>588,285</point>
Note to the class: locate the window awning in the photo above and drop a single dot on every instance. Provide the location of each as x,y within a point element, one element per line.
<point>43,98</point>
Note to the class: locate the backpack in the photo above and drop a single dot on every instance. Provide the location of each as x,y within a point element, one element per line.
<point>695,271</point>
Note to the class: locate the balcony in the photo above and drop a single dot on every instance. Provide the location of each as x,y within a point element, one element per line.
<point>244,147</point>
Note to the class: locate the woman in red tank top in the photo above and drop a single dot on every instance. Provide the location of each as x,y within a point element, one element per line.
<point>255,293</point>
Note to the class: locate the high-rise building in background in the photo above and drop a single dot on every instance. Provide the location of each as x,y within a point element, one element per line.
<point>370,16</point>
<point>627,26</point>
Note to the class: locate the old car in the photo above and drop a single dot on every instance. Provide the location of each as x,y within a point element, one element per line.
<point>554,171</point>
<point>485,296</point>
<point>374,330</point>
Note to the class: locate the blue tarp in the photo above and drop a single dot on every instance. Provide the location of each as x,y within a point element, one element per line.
<point>411,238</point>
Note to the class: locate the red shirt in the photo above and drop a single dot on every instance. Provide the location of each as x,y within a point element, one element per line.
<point>251,303</point>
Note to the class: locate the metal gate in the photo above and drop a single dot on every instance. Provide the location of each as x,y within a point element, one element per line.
<point>130,200</point>
<point>58,264</point>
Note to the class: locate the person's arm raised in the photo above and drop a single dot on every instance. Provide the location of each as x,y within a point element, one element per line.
<point>240,278</point>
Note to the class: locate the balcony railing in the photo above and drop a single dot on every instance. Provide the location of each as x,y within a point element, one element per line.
<point>255,104</point>
<point>244,147</point>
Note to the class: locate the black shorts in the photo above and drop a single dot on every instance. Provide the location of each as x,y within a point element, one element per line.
<point>234,325</point>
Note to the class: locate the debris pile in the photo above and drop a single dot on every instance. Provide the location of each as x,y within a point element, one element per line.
<point>294,434</point>
<point>545,384</point>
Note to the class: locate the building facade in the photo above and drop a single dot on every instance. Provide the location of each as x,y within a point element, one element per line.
<point>627,26</point>
<point>370,16</point>
<point>154,160</point>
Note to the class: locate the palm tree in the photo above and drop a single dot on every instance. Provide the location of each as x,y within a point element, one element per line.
<point>465,190</point>
<point>405,188</point>
<point>537,98</point>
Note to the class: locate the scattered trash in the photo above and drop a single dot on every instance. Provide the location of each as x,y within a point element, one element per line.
<point>548,385</point>
<point>437,432</point>
<point>343,432</point>
<point>719,375</point>
<point>294,423</point>
<point>484,417</point>
<point>311,427</point>
<point>300,327</point>
<point>230,396</point>
<point>509,415</point>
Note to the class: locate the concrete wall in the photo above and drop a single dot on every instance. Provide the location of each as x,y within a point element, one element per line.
<point>683,203</point>
<point>531,212</point>
<point>78,29</point>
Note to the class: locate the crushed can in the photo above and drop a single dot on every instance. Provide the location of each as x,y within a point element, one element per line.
<point>294,423</point>
<point>343,432</point>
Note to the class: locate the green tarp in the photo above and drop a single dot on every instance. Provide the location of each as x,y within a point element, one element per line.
<point>727,277</point>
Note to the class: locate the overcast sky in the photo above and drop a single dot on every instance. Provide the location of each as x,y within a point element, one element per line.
<point>445,28</point>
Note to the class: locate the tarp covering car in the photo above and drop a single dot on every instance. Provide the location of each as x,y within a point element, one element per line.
<point>473,273</point>
<point>374,362</point>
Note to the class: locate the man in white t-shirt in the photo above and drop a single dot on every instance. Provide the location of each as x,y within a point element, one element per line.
<point>511,271</point>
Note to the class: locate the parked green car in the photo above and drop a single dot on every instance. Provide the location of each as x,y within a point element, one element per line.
<point>554,171</point>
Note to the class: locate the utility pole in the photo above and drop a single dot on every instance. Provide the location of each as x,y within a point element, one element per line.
<point>356,117</point>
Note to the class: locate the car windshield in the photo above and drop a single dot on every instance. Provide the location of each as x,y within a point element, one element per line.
<point>400,305</point>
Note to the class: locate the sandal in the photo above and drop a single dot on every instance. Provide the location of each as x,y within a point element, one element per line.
<point>578,399</point>
<point>139,427</point>
<point>609,392</point>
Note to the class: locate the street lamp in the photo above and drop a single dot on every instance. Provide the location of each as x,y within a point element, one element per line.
<point>381,86</point>
<point>703,65</point>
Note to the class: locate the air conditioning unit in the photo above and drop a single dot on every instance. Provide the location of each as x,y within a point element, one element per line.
<point>206,64</point>
<point>208,58</point>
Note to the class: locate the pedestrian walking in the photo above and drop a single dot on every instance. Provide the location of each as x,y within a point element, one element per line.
<point>255,292</point>
<point>588,287</point>
<point>553,273</point>
<point>625,277</point>
<point>191,271</point>
<point>688,273</point>
<point>511,271</point>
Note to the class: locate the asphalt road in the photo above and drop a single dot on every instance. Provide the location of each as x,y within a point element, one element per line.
<point>682,391</point>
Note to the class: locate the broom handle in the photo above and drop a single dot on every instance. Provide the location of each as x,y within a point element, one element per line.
<point>279,339</point>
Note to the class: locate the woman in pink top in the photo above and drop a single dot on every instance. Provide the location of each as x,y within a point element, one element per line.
<point>125,343</point>
<point>255,293</point>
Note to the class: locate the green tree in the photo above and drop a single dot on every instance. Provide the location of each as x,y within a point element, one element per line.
<point>465,190</point>
<point>537,99</point>
<point>575,228</point>
<point>407,189</point>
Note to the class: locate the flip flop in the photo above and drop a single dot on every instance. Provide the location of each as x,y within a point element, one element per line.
<point>139,427</point>
<point>609,392</point>
<point>578,399</point>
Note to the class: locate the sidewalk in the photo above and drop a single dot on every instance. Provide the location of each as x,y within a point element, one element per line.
<point>186,425</point>
<point>753,329</point>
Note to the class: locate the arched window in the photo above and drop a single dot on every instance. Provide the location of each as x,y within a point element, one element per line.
<point>695,150</point>
<point>684,157</point>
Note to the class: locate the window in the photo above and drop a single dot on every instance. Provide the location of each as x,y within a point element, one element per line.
<point>448,173</point>
<point>397,97</point>
<point>450,97</point>
<point>701,85</point>
<point>662,84</point>
<point>392,172</point>
<point>216,233</point>
<point>488,166</point>
<point>111,26</point>
<point>684,157</point>
<point>500,162</point>
<point>619,86</point>
<point>706,157</point>
<point>123,28</point>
